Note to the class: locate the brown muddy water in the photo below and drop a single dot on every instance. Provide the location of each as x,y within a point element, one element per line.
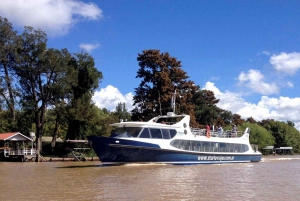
<point>274,178</point>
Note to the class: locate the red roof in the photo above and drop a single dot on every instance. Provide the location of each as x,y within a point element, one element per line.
<point>4,136</point>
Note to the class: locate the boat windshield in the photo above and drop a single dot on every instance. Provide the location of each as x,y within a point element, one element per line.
<point>169,120</point>
<point>126,132</point>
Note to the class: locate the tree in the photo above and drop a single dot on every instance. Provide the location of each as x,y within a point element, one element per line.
<point>83,79</point>
<point>290,123</point>
<point>38,69</point>
<point>161,76</point>
<point>258,135</point>
<point>237,120</point>
<point>251,120</point>
<point>121,112</point>
<point>226,116</point>
<point>277,131</point>
<point>206,111</point>
<point>58,101</point>
<point>103,118</point>
<point>284,134</point>
<point>8,45</point>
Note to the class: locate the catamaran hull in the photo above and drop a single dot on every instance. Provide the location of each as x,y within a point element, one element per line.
<point>113,151</point>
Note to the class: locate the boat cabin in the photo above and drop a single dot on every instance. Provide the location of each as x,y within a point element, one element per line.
<point>14,146</point>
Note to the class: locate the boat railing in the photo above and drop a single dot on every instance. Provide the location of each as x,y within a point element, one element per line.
<point>220,134</point>
<point>198,131</point>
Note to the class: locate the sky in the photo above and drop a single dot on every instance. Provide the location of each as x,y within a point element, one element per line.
<point>246,52</point>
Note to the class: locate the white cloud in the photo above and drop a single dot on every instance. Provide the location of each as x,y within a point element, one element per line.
<point>88,47</point>
<point>280,109</point>
<point>55,17</point>
<point>266,53</point>
<point>254,80</point>
<point>287,63</point>
<point>228,101</point>
<point>290,84</point>
<point>109,98</point>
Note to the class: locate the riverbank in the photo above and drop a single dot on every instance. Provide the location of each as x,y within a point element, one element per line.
<point>53,159</point>
<point>63,159</point>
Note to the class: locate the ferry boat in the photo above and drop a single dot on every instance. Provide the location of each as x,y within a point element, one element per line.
<point>169,139</point>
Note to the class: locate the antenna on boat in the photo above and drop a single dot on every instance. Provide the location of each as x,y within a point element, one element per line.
<point>159,102</point>
<point>173,101</point>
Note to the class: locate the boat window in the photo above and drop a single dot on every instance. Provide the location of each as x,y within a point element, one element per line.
<point>214,146</point>
<point>133,131</point>
<point>172,132</point>
<point>200,146</point>
<point>155,133</point>
<point>145,133</point>
<point>237,147</point>
<point>169,120</point>
<point>175,143</point>
<point>223,147</point>
<point>196,145</point>
<point>245,148</point>
<point>127,131</point>
<point>165,133</point>
<point>206,146</point>
<point>230,147</point>
<point>186,144</point>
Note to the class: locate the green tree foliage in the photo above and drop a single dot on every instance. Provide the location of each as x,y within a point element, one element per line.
<point>285,135</point>
<point>122,113</point>
<point>206,111</point>
<point>25,121</point>
<point>105,118</point>
<point>83,80</point>
<point>258,135</point>
<point>4,121</point>
<point>237,120</point>
<point>57,124</point>
<point>161,75</point>
<point>38,70</point>
<point>8,93</point>
<point>225,117</point>
<point>290,123</point>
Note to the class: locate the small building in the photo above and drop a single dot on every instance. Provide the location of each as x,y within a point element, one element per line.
<point>284,150</point>
<point>268,150</point>
<point>14,146</point>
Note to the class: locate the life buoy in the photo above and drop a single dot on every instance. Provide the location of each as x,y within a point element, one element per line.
<point>208,134</point>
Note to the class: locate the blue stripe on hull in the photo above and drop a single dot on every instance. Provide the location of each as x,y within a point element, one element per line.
<point>127,151</point>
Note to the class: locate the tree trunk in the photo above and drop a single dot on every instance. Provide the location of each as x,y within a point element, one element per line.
<point>55,133</point>
<point>38,147</point>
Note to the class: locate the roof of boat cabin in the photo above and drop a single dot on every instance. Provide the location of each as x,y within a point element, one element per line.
<point>148,124</point>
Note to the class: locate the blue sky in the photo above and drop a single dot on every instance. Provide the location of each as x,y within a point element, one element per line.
<point>246,52</point>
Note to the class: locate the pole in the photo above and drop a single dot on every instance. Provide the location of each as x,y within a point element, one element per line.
<point>173,101</point>
<point>159,103</point>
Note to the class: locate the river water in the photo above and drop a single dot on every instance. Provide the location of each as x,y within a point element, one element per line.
<point>274,178</point>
